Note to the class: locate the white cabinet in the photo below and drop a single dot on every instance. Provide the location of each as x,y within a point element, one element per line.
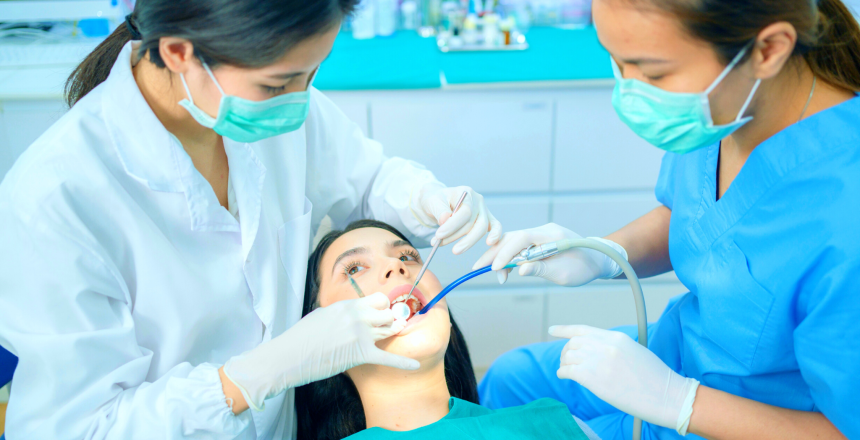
<point>495,142</point>
<point>21,123</point>
<point>494,322</point>
<point>597,215</point>
<point>607,305</point>
<point>595,150</point>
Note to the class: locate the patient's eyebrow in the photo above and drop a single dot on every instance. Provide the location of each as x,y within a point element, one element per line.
<point>354,251</point>
<point>399,243</point>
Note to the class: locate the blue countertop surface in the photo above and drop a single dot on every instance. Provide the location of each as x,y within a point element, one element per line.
<point>407,61</point>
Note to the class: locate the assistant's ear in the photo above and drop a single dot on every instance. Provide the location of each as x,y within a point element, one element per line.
<point>773,48</point>
<point>177,53</point>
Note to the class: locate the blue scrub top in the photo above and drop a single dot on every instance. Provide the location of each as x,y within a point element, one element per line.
<point>773,269</point>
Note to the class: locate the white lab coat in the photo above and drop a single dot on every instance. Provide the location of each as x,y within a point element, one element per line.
<point>125,285</point>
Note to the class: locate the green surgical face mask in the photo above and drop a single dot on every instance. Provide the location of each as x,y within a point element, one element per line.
<point>675,122</point>
<point>243,120</point>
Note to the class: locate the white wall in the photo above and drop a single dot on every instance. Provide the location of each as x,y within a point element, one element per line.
<point>537,155</point>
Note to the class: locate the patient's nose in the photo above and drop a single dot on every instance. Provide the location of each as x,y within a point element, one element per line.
<point>400,270</point>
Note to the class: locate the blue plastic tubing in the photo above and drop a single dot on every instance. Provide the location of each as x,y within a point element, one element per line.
<point>456,283</point>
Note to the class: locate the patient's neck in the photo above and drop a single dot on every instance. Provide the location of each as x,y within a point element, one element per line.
<point>400,400</point>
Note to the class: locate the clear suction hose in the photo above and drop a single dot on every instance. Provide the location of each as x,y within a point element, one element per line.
<point>638,297</point>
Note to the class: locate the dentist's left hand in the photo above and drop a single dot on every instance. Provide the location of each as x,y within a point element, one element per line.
<point>326,342</point>
<point>433,205</point>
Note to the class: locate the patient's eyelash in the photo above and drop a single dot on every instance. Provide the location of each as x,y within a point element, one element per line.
<point>411,253</point>
<point>349,269</point>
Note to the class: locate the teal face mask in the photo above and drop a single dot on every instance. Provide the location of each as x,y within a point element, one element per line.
<point>675,122</point>
<point>243,120</point>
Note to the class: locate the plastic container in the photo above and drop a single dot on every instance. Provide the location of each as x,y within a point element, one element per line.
<point>409,15</point>
<point>386,17</point>
<point>364,21</point>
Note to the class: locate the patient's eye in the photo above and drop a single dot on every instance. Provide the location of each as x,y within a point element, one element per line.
<point>410,255</point>
<point>354,268</point>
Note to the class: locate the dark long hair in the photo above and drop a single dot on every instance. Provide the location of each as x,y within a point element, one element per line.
<point>828,36</point>
<point>331,408</point>
<point>242,33</point>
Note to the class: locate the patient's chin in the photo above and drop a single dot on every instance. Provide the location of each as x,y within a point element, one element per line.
<point>428,340</point>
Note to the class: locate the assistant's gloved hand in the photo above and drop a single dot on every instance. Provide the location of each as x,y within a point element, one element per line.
<point>432,205</point>
<point>626,375</point>
<point>572,268</point>
<point>328,341</point>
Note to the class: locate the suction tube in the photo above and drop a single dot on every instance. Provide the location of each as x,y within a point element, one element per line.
<point>638,297</point>
<point>565,245</point>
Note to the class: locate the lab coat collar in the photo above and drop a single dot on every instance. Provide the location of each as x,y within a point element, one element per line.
<point>153,156</point>
<point>148,152</point>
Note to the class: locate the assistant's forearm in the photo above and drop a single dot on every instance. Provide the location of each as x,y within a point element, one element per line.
<point>718,415</point>
<point>646,241</point>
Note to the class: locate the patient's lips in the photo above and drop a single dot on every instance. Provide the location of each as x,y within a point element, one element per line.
<point>401,293</point>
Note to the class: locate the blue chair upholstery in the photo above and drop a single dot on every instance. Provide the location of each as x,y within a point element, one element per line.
<point>8,362</point>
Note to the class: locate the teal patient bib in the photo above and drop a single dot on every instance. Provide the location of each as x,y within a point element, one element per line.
<point>543,419</point>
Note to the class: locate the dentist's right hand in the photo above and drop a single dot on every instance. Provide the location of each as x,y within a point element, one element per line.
<point>326,342</point>
<point>572,268</point>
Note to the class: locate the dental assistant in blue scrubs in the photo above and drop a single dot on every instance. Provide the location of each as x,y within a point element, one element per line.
<point>755,103</point>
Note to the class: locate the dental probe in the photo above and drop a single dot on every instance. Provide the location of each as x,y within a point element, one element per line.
<point>401,310</point>
<point>540,252</point>
<point>355,285</point>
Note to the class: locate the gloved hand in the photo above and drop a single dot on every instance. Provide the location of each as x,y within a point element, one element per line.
<point>328,341</point>
<point>626,375</point>
<point>572,268</point>
<point>432,205</point>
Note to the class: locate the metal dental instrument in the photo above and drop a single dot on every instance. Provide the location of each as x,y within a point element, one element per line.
<point>540,252</point>
<point>355,285</point>
<point>404,310</point>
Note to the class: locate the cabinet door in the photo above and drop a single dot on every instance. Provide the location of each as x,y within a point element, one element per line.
<point>21,123</point>
<point>595,150</point>
<point>607,305</point>
<point>494,322</point>
<point>597,215</point>
<point>493,142</point>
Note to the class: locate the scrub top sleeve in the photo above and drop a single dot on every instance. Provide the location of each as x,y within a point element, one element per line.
<point>349,172</point>
<point>666,181</point>
<point>67,316</point>
<point>826,340</point>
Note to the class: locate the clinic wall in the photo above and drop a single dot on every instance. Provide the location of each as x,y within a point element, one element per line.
<point>538,156</point>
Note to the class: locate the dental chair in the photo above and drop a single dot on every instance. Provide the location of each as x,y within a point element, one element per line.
<point>8,362</point>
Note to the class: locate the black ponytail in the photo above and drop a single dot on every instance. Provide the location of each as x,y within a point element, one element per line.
<point>96,66</point>
<point>242,33</point>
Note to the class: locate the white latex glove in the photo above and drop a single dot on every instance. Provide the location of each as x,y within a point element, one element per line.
<point>432,205</point>
<point>626,375</point>
<point>572,268</point>
<point>328,341</point>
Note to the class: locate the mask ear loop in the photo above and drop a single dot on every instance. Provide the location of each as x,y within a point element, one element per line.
<point>726,71</point>
<point>748,101</point>
<point>209,71</point>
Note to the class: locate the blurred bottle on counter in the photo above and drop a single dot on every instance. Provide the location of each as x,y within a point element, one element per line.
<point>386,17</point>
<point>410,20</point>
<point>364,20</point>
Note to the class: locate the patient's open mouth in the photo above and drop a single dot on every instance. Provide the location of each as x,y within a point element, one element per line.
<point>414,304</point>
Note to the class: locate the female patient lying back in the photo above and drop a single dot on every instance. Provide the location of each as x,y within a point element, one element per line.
<point>439,400</point>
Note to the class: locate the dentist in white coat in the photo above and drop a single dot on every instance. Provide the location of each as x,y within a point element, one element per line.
<point>154,241</point>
